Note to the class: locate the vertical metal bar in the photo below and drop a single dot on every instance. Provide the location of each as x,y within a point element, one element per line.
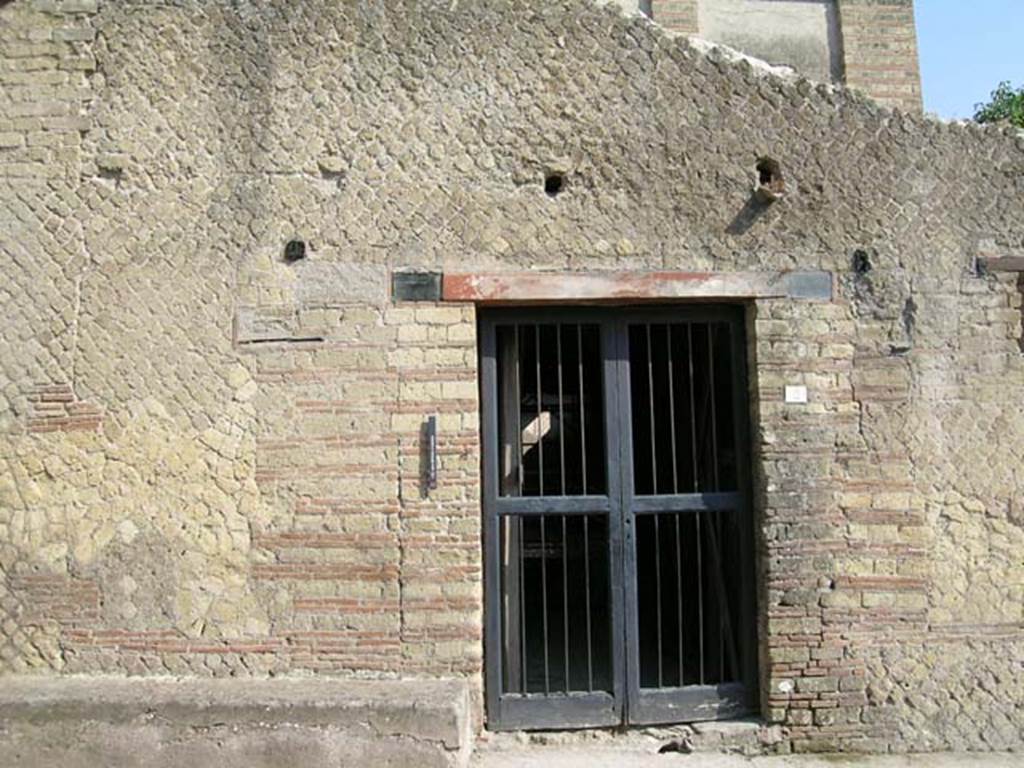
<point>650,406</point>
<point>583,416</point>
<point>565,600</point>
<point>715,517</point>
<point>722,595</point>
<point>510,484</point>
<point>714,418</point>
<point>522,604</point>
<point>511,601</point>
<point>700,596</point>
<point>672,408</point>
<point>540,399</point>
<point>519,416</point>
<point>723,598</point>
<point>495,679</point>
<point>732,629</point>
<point>561,408</point>
<point>586,581</point>
<point>509,461</point>
<point>693,409</point>
<point>544,598</point>
<point>679,596</point>
<point>622,520</point>
<point>745,665</point>
<point>657,589</point>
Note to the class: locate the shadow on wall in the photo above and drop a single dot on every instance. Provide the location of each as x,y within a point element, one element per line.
<point>752,210</point>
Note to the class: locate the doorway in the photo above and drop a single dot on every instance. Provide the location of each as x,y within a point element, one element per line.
<point>618,553</point>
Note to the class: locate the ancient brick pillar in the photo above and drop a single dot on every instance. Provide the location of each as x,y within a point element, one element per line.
<point>880,50</point>
<point>677,15</point>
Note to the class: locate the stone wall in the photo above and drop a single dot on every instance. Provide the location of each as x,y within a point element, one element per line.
<point>210,458</point>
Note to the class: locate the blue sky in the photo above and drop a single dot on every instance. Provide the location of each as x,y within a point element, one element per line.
<point>967,47</point>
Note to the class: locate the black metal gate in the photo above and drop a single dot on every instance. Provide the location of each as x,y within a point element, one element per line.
<point>619,565</point>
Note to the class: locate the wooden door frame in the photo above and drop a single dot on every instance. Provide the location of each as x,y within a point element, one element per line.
<point>627,703</point>
<point>691,703</point>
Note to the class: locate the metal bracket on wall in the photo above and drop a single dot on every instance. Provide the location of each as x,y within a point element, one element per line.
<point>430,443</point>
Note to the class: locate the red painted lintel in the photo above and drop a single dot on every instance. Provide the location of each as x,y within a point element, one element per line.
<point>526,287</point>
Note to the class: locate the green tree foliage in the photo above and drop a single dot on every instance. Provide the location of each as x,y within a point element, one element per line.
<point>1005,104</point>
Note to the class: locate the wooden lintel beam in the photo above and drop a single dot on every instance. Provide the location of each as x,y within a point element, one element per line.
<point>526,286</point>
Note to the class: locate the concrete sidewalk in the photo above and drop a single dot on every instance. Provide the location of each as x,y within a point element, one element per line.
<point>633,757</point>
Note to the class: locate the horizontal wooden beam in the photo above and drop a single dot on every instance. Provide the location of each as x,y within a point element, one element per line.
<point>528,287</point>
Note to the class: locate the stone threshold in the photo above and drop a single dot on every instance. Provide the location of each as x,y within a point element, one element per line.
<point>748,736</point>
<point>85,721</point>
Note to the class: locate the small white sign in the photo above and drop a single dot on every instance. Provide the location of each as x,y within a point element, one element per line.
<point>796,393</point>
